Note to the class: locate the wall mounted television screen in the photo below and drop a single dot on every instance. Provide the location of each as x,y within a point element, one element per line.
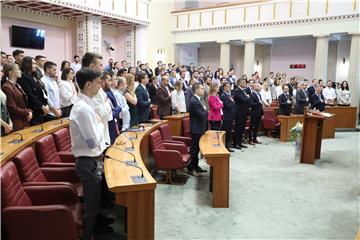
<point>24,37</point>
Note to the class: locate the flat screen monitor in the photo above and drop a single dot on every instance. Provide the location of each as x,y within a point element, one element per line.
<point>24,37</point>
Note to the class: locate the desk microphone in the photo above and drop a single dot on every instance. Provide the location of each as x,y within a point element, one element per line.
<point>131,138</point>
<point>118,160</point>
<point>39,130</point>
<point>17,140</point>
<point>130,149</point>
<point>123,151</point>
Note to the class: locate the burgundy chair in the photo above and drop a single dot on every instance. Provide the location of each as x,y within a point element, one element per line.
<point>154,114</point>
<point>62,140</point>
<point>270,121</point>
<point>166,136</point>
<point>186,127</point>
<point>48,156</point>
<point>38,212</point>
<point>32,174</point>
<point>168,156</point>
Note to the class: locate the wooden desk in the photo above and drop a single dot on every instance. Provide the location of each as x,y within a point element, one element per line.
<point>288,122</point>
<point>175,123</point>
<point>138,198</point>
<point>9,150</point>
<point>346,116</point>
<point>217,156</point>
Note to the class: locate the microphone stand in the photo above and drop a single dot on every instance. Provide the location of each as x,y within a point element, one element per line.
<point>39,130</point>
<point>118,160</point>
<point>17,140</point>
<point>130,149</point>
<point>134,162</point>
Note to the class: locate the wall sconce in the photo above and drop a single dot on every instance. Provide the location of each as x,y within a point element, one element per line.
<point>257,62</point>
<point>160,51</point>
<point>343,60</point>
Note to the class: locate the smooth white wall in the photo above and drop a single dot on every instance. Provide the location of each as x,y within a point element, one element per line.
<point>187,54</point>
<point>293,51</point>
<point>209,56</point>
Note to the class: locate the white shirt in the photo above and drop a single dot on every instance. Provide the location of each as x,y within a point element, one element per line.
<point>53,94</point>
<point>103,109</point>
<point>279,91</point>
<point>86,129</point>
<point>200,101</point>
<point>266,96</point>
<point>329,93</point>
<point>125,114</point>
<point>75,66</point>
<point>178,100</point>
<point>68,94</point>
<point>343,97</point>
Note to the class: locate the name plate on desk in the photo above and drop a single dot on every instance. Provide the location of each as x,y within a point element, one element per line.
<point>15,141</point>
<point>131,163</point>
<point>138,179</point>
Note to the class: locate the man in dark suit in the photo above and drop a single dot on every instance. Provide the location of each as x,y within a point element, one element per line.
<point>157,69</point>
<point>317,100</point>
<point>302,98</point>
<point>291,85</point>
<point>285,102</point>
<point>163,98</point>
<point>242,104</point>
<point>143,100</point>
<point>311,89</point>
<point>198,126</point>
<point>228,114</point>
<point>255,113</point>
<point>148,70</point>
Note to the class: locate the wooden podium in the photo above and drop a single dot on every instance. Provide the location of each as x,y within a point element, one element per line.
<point>312,136</point>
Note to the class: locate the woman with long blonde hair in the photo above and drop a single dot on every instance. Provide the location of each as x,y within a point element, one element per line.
<point>131,99</point>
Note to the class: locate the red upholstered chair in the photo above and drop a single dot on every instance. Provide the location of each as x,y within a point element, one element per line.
<point>31,174</point>
<point>166,136</point>
<point>270,121</point>
<point>48,156</point>
<point>154,114</point>
<point>168,156</point>
<point>38,212</point>
<point>186,127</point>
<point>62,140</point>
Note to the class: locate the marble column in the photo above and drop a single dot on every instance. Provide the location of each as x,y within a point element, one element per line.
<point>225,56</point>
<point>88,35</point>
<point>321,57</point>
<point>354,68</point>
<point>249,57</point>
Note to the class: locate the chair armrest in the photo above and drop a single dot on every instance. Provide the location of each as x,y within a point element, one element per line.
<point>49,184</point>
<point>49,219</point>
<point>174,142</point>
<point>57,164</point>
<point>168,159</point>
<point>181,148</point>
<point>185,140</point>
<point>67,157</point>
<point>61,174</point>
<point>47,195</point>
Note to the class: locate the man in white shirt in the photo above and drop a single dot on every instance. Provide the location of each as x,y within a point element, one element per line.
<point>76,65</point>
<point>329,94</point>
<point>87,145</point>
<point>52,89</point>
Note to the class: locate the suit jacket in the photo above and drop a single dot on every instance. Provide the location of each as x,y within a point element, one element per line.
<point>116,109</point>
<point>188,95</point>
<point>156,71</point>
<point>228,109</point>
<point>284,106</point>
<point>311,90</point>
<point>16,104</point>
<point>35,91</point>
<point>317,102</point>
<point>300,101</point>
<point>242,101</point>
<point>290,89</point>
<point>164,101</point>
<point>215,106</point>
<point>143,104</point>
<point>256,105</point>
<point>152,93</point>
<point>149,72</point>
<point>198,116</point>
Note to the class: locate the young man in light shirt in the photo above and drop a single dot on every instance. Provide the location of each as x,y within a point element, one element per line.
<point>329,94</point>
<point>52,90</point>
<point>76,65</point>
<point>87,145</point>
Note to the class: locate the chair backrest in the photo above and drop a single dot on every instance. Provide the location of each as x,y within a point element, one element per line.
<point>46,150</point>
<point>269,114</point>
<point>154,114</point>
<point>12,193</point>
<point>165,132</point>
<point>28,167</point>
<point>186,127</point>
<point>156,141</point>
<point>62,139</point>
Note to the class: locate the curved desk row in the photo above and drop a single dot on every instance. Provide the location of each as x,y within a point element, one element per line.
<point>212,147</point>
<point>11,144</point>
<point>133,191</point>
